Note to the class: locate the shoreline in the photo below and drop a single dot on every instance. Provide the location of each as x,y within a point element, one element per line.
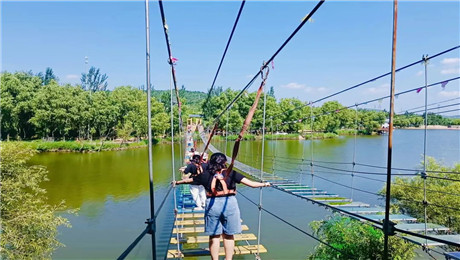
<point>432,127</point>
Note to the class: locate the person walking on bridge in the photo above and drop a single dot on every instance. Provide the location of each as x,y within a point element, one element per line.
<point>222,214</point>
<point>198,192</point>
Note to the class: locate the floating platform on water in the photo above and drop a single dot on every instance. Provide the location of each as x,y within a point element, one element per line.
<point>424,242</point>
<point>419,227</point>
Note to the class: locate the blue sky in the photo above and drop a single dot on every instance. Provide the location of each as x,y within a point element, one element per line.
<point>345,44</point>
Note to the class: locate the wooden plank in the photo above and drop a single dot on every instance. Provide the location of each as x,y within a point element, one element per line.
<point>198,229</point>
<point>205,239</point>
<point>239,250</point>
<point>190,215</point>
<point>189,222</point>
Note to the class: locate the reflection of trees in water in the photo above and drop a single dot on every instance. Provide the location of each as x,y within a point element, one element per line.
<point>80,178</point>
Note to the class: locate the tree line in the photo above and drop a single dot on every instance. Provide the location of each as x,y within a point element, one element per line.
<point>36,106</point>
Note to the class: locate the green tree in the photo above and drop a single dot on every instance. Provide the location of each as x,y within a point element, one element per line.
<point>407,195</point>
<point>94,80</point>
<point>47,76</point>
<point>356,240</point>
<point>29,225</point>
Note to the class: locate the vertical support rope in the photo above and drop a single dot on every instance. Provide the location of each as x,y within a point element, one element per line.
<point>261,173</point>
<point>173,162</point>
<point>151,221</point>
<point>354,152</point>
<point>226,131</point>
<point>311,150</point>
<point>388,228</point>
<point>425,60</point>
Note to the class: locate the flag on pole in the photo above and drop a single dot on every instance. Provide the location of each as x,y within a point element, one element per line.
<point>443,84</point>
<point>418,90</point>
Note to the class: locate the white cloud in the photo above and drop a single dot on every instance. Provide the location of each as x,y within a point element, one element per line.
<point>448,61</point>
<point>420,73</point>
<point>294,85</point>
<point>450,71</point>
<point>384,88</point>
<point>449,93</point>
<point>72,76</point>
<point>312,89</point>
<point>450,66</point>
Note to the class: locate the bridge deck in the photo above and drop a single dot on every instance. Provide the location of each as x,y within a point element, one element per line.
<point>188,229</point>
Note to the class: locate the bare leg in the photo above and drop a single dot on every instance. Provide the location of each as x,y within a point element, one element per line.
<point>229,246</point>
<point>214,245</point>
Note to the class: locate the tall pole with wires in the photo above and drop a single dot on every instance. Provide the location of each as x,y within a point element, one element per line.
<point>387,228</point>
<point>425,59</point>
<point>151,221</point>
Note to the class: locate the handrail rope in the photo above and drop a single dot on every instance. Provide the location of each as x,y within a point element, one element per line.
<point>347,186</point>
<point>361,172</point>
<point>364,102</point>
<point>293,226</point>
<point>134,244</point>
<point>163,202</point>
<point>312,12</point>
<point>365,165</point>
<point>442,112</point>
<point>225,51</point>
<point>433,108</point>
<point>171,60</point>
<point>173,163</point>
<point>378,224</point>
<point>432,104</point>
<point>412,187</point>
<point>368,81</point>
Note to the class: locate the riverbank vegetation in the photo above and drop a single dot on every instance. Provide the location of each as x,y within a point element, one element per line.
<point>356,240</point>
<point>441,193</point>
<point>29,225</point>
<point>36,106</point>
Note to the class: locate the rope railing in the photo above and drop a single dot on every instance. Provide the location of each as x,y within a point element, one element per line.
<point>225,51</point>
<point>265,65</point>
<point>292,225</point>
<point>370,80</point>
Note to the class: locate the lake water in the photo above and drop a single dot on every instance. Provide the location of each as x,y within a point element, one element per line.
<point>110,189</point>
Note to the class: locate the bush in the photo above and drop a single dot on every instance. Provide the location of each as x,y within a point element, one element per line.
<point>407,195</point>
<point>29,225</point>
<point>356,240</point>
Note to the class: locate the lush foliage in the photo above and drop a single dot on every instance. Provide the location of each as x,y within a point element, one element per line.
<point>407,195</point>
<point>356,240</point>
<point>37,106</point>
<point>29,225</point>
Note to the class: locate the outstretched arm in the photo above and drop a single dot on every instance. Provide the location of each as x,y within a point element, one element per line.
<point>254,184</point>
<point>188,180</point>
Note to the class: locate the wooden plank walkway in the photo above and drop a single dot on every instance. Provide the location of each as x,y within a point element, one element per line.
<point>188,231</point>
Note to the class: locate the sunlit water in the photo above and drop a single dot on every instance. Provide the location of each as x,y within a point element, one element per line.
<point>111,189</point>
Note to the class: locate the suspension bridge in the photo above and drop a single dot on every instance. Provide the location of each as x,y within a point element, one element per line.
<point>185,236</point>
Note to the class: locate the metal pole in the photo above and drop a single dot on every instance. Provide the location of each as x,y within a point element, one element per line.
<point>425,60</point>
<point>151,221</point>
<point>354,152</point>
<point>261,174</point>
<point>311,149</point>
<point>386,223</point>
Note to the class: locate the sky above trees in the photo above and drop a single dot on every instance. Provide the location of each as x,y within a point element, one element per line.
<point>346,43</point>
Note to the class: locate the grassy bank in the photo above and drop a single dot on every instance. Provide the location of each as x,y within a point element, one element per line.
<point>80,146</point>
